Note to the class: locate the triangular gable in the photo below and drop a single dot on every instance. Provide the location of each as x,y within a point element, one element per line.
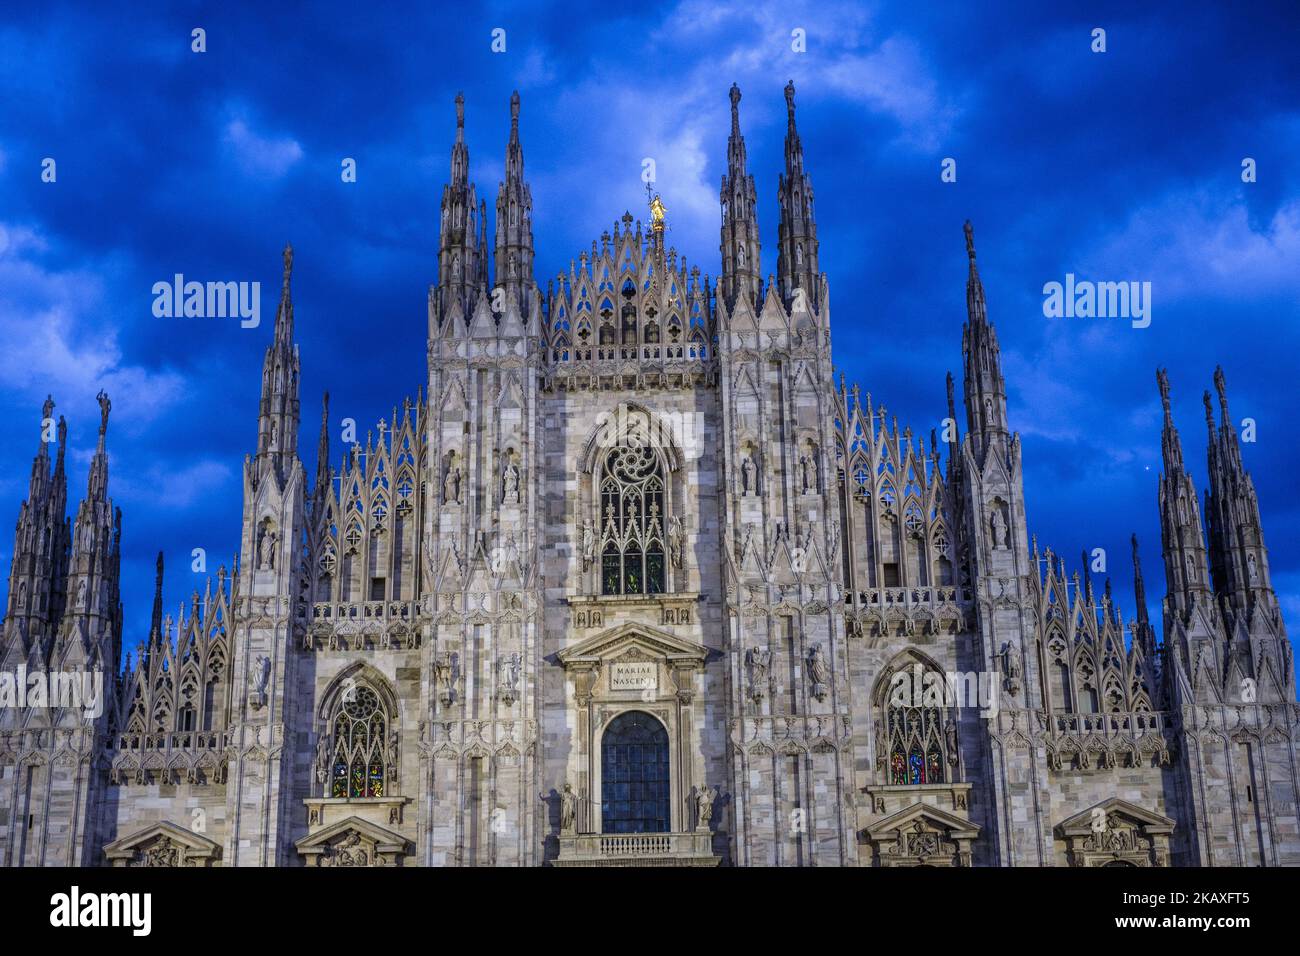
<point>614,642</point>
<point>1081,824</point>
<point>195,845</point>
<point>957,827</point>
<point>385,840</point>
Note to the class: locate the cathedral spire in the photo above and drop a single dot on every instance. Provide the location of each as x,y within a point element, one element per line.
<point>91,592</point>
<point>155,623</point>
<point>740,245</point>
<point>1181,540</point>
<point>797,253</point>
<point>514,233</point>
<point>277,430</point>
<point>986,392</point>
<point>461,254</point>
<point>1143,633</point>
<point>97,486</point>
<point>40,551</point>
<point>1239,564</point>
<point>323,450</point>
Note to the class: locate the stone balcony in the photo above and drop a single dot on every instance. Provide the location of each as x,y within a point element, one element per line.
<point>1095,742</point>
<point>907,611</point>
<point>694,848</point>
<point>366,611</point>
<point>363,625</point>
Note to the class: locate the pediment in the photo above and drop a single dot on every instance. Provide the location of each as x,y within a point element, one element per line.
<point>383,839</point>
<point>627,638</point>
<point>1081,824</point>
<point>162,844</point>
<point>353,842</point>
<point>956,827</point>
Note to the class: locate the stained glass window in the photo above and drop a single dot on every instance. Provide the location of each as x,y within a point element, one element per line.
<point>916,748</point>
<point>359,734</point>
<point>632,517</point>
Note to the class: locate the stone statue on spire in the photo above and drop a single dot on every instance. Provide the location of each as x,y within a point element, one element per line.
<point>104,406</point>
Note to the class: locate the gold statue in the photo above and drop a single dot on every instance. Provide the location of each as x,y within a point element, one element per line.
<point>657,210</point>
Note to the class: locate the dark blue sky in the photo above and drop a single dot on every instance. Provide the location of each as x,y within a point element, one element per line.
<point>1114,166</point>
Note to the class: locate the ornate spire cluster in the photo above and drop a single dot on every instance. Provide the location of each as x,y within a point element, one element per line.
<point>463,254</point>
<point>64,610</point>
<point>628,302</point>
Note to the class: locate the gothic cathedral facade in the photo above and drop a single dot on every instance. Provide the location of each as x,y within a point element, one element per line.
<point>632,580</point>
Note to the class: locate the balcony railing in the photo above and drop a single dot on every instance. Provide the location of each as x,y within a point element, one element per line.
<point>187,740</point>
<point>694,848</point>
<point>1135,723</point>
<point>366,611</point>
<point>915,596</point>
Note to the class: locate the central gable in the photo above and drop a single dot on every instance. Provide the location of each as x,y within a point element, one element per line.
<point>627,640</point>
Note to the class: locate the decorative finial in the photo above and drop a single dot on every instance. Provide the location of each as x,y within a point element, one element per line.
<point>1209,411</point>
<point>789,98</point>
<point>970,240</point>
<point>460,110</point>
<point>1221,386</point>
<point>735,109</point>
<point>514,109</point>
<point>288,262</point>
<point>47,410</point>
<point>1162,380</point>
<point>104,406</point>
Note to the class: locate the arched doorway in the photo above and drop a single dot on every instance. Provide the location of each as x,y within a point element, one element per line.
<point>634,775</point>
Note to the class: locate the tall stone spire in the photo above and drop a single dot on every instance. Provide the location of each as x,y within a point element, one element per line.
<point>1181,540</point>
<point>323,488</point>
<point>277,430</point>
<point>1143,632</point>
<point>986,391</point>
<point>797,247</point>
<point>740,247</point>
<point>91,625</point>
<point>954,441</point>
<point>1238,557</point>
<point>97,487</point>
<point>461,255</point>
<point>514,234</point>
<point>40,554</point>
<point>155,621</point>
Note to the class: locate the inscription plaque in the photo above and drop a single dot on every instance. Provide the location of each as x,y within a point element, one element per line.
<point>638,676</point>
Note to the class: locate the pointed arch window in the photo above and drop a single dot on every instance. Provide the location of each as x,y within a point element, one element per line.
<point>632,519</point>
<point>919,739</point>
<point>360,731</point>
<point>915,745</point>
